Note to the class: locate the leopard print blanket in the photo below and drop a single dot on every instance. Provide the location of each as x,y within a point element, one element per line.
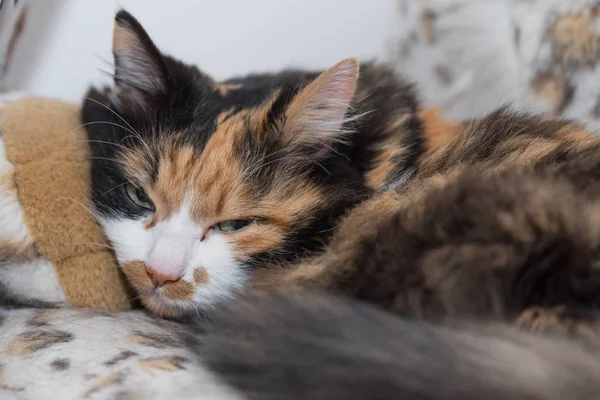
<point>78,354</point>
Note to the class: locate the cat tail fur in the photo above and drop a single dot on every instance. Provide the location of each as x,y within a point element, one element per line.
<point>314,346</point>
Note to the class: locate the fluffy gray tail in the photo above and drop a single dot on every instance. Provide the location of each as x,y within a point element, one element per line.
<point>309,346</point>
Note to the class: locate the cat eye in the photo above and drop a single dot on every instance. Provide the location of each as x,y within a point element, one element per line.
<point>232,225</point>
<point>139,197</point>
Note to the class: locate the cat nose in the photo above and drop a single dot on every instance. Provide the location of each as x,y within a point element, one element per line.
<point>160,279</point>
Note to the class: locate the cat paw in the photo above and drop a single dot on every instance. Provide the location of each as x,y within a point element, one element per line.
<point>566,321</point>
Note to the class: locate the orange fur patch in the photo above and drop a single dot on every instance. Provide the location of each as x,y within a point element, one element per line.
<point>225,88</point>
<point>180,290</point>
<point>577,135</point>
<point>224,115</point>
<point>525,151</point>
<point>256,239</point>
<point>217,177</point>
<point>437,129</point>
<point>201,276</point>
<point>172,184</point>
<point>437,132</point>
<point>256,116</point>
<point>385,161</point>
<point>385,164</point>
<point>137,276</point>
<point>135,163</point>
<point>139,279</point>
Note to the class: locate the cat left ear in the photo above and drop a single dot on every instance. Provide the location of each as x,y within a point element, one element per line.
<point>140,72</point>
<point>314,118</point>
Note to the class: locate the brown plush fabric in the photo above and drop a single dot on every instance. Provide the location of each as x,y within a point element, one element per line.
<point>46,144</point>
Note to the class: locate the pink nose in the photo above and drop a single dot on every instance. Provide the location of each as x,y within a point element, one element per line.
<point>161,279</point>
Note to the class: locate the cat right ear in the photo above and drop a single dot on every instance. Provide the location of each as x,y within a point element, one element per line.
<point>140,72</point>
<point>314,119</point>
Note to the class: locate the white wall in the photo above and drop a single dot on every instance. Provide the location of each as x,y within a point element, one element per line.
<point>67,42</point>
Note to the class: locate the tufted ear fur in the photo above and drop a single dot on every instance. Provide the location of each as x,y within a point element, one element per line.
<point>140,72</point>
<point>315,116</point>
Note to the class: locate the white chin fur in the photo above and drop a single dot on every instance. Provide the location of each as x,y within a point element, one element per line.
<point>133,242</point>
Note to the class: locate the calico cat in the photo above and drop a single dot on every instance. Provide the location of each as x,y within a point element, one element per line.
<point>337,181</point>
<point>199,184</point>
<point>207,190</point>
<point>316,346</point>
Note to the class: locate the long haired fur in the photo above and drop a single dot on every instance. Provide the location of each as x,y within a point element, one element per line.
<point>313,346</point>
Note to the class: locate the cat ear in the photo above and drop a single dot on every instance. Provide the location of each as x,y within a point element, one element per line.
<point>314,118</point>
<point>140,72</point>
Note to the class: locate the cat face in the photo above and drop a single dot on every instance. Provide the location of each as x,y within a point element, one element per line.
<point>198,184</point>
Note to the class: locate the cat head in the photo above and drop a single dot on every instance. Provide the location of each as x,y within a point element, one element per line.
<point>198,183</point>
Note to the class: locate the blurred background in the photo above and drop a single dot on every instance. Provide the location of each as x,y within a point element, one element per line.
<point>467,57</point>
<point>68,42</point>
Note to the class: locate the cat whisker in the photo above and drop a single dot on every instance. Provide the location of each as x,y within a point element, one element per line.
<point>330,229</point>
<point>108,159</point>
<point>89,210</point>
<point>299,158</point>
<point>107,73</point>
<point>103,142</point>
<point>104,123</point>
<point>116,187</point>
<point>133,131</point>
<point>196,309</point>
<point>258,167</point>
<point>332,149</point>
<point>104,60</point>
<point>136,296</point>
<point>270,155</point>
<point>142,141</point>
<point>96,122</point>
<point>97,244</point>
<point>111,110</point>
<point>320,165</point>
